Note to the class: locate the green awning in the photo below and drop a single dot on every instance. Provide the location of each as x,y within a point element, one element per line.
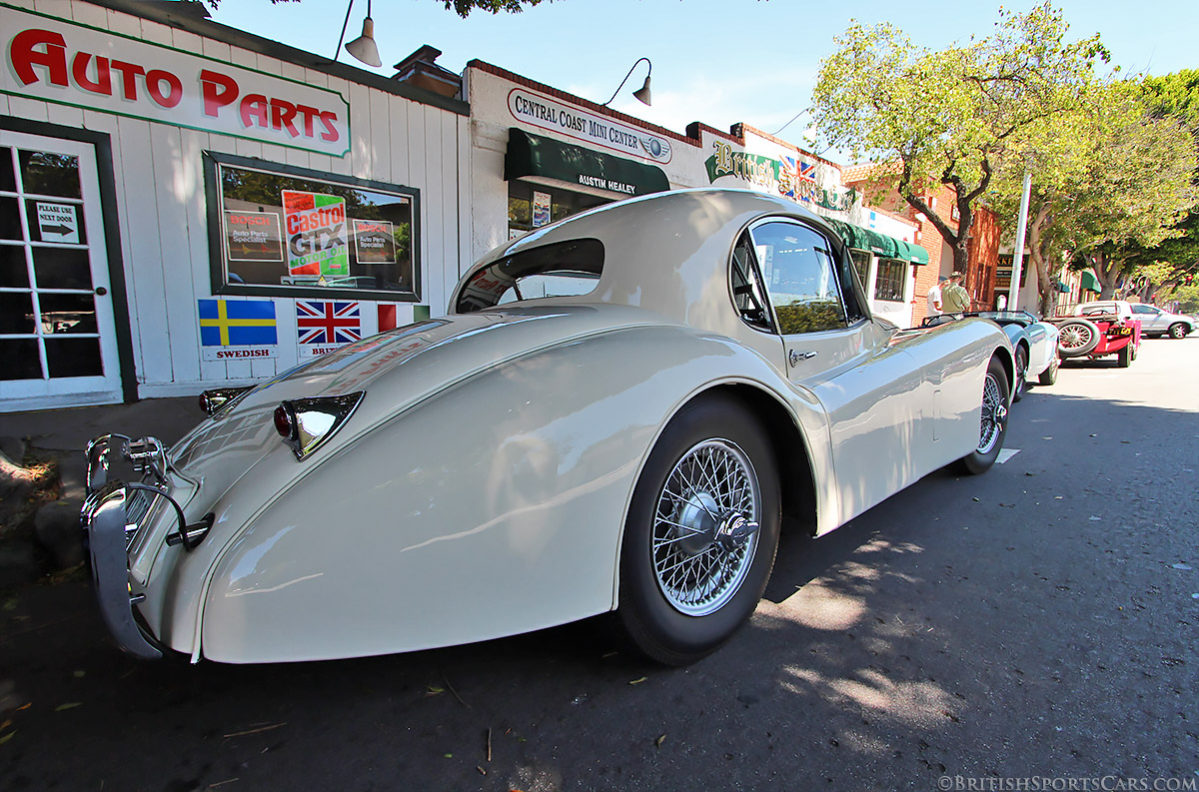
<point>880,244</point>
<point>534,155</point>
<point>913,254</point>
<point>1090,282</point>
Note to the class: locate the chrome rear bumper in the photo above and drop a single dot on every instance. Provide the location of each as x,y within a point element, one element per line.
<point>109,526</point>
<point>104,523</point>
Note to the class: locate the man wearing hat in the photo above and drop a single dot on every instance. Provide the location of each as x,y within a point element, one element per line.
<point>954,298</point>
<point>934,297</point>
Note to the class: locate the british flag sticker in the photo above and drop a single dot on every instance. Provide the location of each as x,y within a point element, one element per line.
<point>325,325</point>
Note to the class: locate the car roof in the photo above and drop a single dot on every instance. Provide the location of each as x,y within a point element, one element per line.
<point>668,252</point>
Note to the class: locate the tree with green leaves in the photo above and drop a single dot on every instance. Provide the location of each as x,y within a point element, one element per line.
<point>949,116</point>
<point>1168,263</point>
<point>1108,179</point>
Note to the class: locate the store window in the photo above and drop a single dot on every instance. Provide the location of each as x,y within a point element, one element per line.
<point>285,231</point>
<point>889,281</point>
<point>861,265</point>
<point>533,205</point>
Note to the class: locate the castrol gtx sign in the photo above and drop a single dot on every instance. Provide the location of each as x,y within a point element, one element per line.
<point>64,63</point>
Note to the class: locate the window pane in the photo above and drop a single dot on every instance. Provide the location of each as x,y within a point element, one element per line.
<point>8,182</point>
<point>44,173</point>
<point>73,357</point>
<point>748,296</point>
<point>10,219</point>
<point>67,313</point>
<point>52,221</point>
<point>800,278</point>
<point>62,268</point>
<point>889,281</point>
<point>16,312</point>
<point>289,231</point>
<point>861,264</point>
<point>13,272</point>
<point>20,359</point>
<point>564,268</point>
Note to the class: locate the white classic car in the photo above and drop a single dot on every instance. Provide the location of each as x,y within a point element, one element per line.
<point>614,416</point>
<point>1034,344</point>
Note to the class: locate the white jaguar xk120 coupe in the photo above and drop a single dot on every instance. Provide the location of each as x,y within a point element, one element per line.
<point>614,415</point>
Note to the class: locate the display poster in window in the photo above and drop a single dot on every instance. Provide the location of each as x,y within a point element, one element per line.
<point>316,235</point>
<point>374,241</point>
<point>541,209</point>
<point>253,236</point>
<point>289,232</point>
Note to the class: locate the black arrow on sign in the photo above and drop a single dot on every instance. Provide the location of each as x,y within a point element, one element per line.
<point>61,230</point>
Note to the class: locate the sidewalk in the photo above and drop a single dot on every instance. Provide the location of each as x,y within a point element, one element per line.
<point>54,541</point>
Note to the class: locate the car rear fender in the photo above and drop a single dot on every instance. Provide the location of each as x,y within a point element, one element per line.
<point>491,508</point>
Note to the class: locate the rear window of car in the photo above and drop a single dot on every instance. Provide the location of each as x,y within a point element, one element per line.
<point>562,269</point>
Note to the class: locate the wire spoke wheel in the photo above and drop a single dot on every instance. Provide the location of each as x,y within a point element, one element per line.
<point>1076,337</point>
<point>994,415</point>
<point>704,534</point>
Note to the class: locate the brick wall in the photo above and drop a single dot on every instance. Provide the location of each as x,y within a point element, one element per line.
<point>875,184</point>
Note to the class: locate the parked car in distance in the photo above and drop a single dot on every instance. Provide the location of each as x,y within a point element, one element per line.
<point>1156,323</point>
<point>1034,344</point>
<point>614,415</point>
<point>1098,329</point>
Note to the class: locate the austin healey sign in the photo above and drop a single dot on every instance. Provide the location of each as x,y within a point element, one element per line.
<point>69,64</point>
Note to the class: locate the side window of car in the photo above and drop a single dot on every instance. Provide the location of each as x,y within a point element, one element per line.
<point>801,277</point>
<point>748,294</point>
<point>1144,309</point>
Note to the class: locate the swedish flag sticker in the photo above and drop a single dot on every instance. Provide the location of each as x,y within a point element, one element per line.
<point>229,324</point>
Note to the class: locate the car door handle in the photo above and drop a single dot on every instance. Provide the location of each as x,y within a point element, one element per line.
<point>794,356</point>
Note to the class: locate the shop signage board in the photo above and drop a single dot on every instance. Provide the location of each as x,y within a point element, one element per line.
<point>237,329</point>
<point>81,66</point>
<point>596,130</point>
<point>324,325</point>
<point>789,176</point>
<point>58,222</point>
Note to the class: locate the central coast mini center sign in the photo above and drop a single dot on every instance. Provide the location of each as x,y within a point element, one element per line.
<point>541,111</point>
<point>70,64</point>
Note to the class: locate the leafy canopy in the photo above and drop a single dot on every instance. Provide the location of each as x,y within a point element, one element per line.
<point>949,116</point>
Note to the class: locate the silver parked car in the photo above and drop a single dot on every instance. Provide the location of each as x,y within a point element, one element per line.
<point>1154,321</point>
<point>614,416</point>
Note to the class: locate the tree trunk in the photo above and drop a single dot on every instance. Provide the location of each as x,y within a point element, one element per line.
<point>1107,270</point>
<point>1046,285</point>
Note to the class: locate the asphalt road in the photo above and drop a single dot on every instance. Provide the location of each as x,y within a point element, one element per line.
<point>1038,622</point>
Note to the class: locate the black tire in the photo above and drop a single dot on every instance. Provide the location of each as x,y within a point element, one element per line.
<point>1077,337</point>
<point>654,609</point>
<point>1124,355</point>
<point>992,421</point>
<point>1178,330</point>
<point>1049,375</point>
<point>1021,374</point>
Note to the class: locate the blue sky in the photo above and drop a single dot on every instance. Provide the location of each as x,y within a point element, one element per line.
<point>716,61</point>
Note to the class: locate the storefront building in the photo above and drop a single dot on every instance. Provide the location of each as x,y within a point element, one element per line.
<point>183,205</point>
<point>539,154</point>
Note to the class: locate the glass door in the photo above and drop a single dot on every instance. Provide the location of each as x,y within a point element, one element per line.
<point>57,333</point>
